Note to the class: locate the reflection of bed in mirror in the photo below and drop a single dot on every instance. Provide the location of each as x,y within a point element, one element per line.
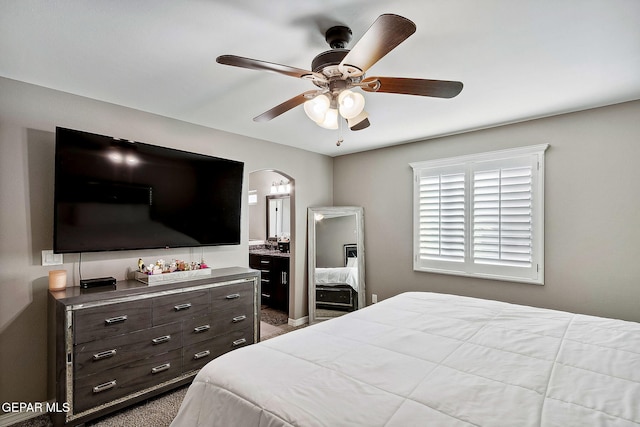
<point>337,287</point>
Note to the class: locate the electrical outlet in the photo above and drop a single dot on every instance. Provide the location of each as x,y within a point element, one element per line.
<point>374,298</point>
<point>49,258</point>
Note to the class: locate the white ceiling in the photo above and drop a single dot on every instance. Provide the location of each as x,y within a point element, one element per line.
<point>518,60</point>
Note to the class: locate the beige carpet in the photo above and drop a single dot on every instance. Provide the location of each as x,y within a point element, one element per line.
<point>161,410</point>
<point>156,412</point>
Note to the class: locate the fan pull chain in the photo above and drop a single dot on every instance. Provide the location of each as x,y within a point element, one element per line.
<point>340,139</point>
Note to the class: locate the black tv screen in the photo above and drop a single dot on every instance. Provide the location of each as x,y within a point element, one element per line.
<point>112,194</point>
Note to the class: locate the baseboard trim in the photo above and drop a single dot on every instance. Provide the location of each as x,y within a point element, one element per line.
<point>298,322</point>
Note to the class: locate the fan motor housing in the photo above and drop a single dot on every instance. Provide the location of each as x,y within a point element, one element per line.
<point>329,58</point>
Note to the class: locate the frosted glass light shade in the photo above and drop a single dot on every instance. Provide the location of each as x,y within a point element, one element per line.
<point>330,119</point>
<point>317,108</point>
<point>350,104</point>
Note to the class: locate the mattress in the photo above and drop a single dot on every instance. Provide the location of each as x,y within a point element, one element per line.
<point>431,360</point>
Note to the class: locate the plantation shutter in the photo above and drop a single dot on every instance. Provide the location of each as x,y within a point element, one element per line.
<point>502,217</point>
<point>442,217</point>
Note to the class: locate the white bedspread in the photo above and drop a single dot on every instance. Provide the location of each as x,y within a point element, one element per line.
<point>429,360</point>
<point>337,276</point>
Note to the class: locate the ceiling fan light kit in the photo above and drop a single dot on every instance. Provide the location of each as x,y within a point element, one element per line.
<point>337,71</point>
<point>321,109</point>
<point>351,104</point>
<point>317,108</point>
<point>330,120</point>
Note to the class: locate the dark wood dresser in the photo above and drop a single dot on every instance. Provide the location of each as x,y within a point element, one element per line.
<point>118,346</point>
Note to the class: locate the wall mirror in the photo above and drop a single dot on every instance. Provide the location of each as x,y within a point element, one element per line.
<point>336,261</point>
<point>278,217</point>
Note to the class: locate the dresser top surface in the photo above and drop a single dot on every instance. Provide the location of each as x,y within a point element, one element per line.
<point>75,294</point>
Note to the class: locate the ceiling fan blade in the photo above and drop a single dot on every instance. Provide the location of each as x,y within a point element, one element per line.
<point>387,32</point>
<point>359,122</point>
<point>256,64</point>
<point>361,125</point>
<point>286,106</point>
<point>422,87</point>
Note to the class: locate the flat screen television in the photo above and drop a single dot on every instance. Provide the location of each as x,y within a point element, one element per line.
<point>112,194</point>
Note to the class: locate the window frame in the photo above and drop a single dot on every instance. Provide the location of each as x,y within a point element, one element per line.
<point>468,164</point>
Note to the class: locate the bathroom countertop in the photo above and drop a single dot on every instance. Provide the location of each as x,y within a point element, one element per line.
<point>272,252</point>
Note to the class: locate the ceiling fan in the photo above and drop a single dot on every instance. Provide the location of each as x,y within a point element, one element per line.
<point>337,71</point>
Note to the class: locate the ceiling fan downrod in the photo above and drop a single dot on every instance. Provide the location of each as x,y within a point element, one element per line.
<point>338,37</point>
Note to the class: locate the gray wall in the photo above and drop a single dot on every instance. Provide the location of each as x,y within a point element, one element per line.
<point>592,212</point>
<point>28,117</point>
<point>331,236</point>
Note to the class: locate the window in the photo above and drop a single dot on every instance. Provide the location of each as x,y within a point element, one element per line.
<point>253,197</point>
<point>481,215</point>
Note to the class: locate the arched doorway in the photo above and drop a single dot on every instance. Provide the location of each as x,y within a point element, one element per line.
<point>271,231</point>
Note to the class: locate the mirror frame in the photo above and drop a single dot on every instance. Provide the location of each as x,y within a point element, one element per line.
<point>311,242</point>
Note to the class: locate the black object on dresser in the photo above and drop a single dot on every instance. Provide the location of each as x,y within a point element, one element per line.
<point>274,275</point>
<point>124,345</point>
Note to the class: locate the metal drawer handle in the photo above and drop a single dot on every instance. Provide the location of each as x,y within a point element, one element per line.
<point>184,306</point>
<point>161,340</point>
<point>201,354</point>
<point>266,295</point>
<point>160,368</point>
<point>104,387</point>
<point>239,342</point>
<point>104,354</point>
<point>238,318</point>
<point>113,320</point>
<point>265,280</point>
<point>202,328</point>
<point>265,261</point>
<point>233,296</point>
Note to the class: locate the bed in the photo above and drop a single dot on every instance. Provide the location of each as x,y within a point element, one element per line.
<point>429,359</point>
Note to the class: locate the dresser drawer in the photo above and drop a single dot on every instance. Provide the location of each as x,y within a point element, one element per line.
<point>110,320</point>
<point>180,306</point>
<point>264,264</point>
<point>206,327</point>
<point>260,262</point>
<point>97,356</point>
<point>195,356</point>
<point>94,390</point>
<point>230,296</point>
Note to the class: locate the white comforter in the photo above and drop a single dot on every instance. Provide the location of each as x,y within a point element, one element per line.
<point>429,360</point>
<point>337,276</point>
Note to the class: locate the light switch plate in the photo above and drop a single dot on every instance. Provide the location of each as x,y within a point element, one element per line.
<point>49,258</point>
